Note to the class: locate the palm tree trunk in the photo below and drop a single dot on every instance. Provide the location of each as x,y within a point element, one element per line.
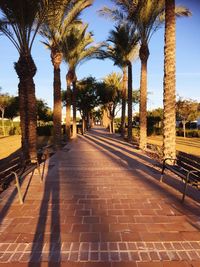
<point>169,99</point>
<point>144,54</point>
<point>74,131</point>
<point>123,115</point>
<point>68,111</point>
<point>2,121</point>
<point>26,69</point>
<point>184,122</point>
<point>32,119</point>
<point>83,124</point>
<point>57,108</point>
<point>130,134</point>
<point>23,117</point>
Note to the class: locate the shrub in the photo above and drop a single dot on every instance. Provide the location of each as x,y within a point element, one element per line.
<point>16,130</point>
<point>45,130</point>
<point>188,133</point>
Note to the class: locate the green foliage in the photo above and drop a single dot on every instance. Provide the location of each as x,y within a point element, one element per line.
<point>60,17</point>
<point>109,91</point>
<point>86,98</point>
<point>77,48</point>
<point>187,109</point>
<point>121,46</point>
<point>44,113</point>
<point>20,21</point>
<point>12,109</point>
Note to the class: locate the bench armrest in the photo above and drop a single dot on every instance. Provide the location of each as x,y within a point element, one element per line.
<point>191,172</point>
<point>172,159</point>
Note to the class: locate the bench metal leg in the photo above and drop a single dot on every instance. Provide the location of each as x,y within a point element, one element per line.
<point>185,187</point>
<point>17,184</point>
<point>184,191</point>
<point>162,173</point>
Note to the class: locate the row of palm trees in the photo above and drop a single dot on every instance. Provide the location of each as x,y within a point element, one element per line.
<point>65,35</point>
<point>136,22</point>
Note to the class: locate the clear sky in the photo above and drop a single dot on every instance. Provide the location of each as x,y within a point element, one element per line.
<point>187,59</point>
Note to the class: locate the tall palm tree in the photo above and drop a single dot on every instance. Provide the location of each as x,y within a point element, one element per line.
<point>147,16</point>
<point>169,98</point>
<point>76,49</point>
<point>59,20</point>
<point>124,50</point>
<point>20,22</point>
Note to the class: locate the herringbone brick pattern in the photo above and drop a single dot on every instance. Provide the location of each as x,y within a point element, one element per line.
<point>100,204</point>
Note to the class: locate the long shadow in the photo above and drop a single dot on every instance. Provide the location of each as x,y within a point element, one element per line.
<point>80,203</point>
<point>175,183</point>
<point>186,209</point>
<point>50,202</point>
<point>149,171</point>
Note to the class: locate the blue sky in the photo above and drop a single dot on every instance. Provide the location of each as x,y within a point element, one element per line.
<point>187,59</point>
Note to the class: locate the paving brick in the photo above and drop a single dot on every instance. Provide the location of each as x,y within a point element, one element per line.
<point>75,246</point>
<point>97,216</point>
<point>132,246</point>
<point>110,237</point>
<point>124,256</point>
<point>79,228</point>
<point>90,237</point>
<point>91,219</point>
<point>154,256</point>
<point>164,256</point>
<point>113,246</point>
<point>122,246</point>
<point>129,236</point>
<point>84,256</point>
<point>15,257</point>
<point>135,256</point>
<point>114,256</point>
<point>73,256</point>
<point>104,256</point>
<point>94,256</point>
<point>94,246</point>
<point>4,247</point>
<point>5,257</point>
<point>144,256</point>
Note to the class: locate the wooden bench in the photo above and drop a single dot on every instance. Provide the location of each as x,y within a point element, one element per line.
<point>187,167</point>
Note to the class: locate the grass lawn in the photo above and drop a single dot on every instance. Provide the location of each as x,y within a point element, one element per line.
<point>10,144</point>
<point>187,145</point>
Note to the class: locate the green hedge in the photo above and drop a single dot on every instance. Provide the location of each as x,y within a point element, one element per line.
<point>45,130</point>
<point>188,133</point>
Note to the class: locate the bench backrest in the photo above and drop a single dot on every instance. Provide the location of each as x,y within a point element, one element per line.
<point>188,161</point>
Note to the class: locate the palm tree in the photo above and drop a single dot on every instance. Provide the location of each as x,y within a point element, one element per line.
<point>113,87</point>
<point>60,18</point>
<point>169,99</point>
<point>147,16</point>
<point>76,49</point>
<point>124,50</point>
<point>20,22</point>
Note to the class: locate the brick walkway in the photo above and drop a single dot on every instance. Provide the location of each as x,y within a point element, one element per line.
<point>100,205</point>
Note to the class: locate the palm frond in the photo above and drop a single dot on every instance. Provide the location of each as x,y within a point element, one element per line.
<point>20,21</point>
